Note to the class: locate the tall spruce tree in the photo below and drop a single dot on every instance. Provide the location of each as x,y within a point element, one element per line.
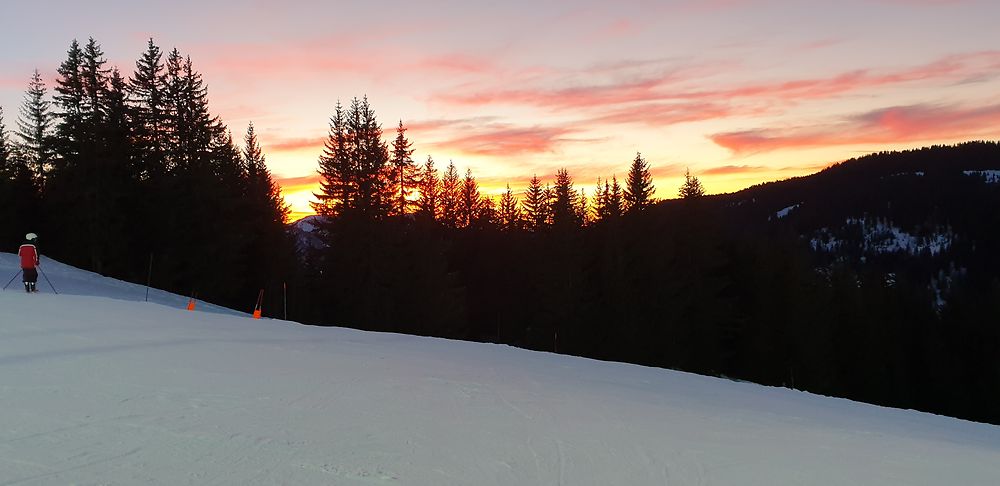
<point>428,203</point>
<point>78,181</point>
<point>404,177</point>
<point>582,208</point>
<point>18,194</point>
<point>269,246</point>
<point>510,217</point>
<point>470,201</point>
<point>536,204</point>
<point>261,188</point>
<point>639,185</point>
<point>450,196</point>
<point>148,107</point>
<point>374,195</point>
<point>34,125</point>
<point>565,201</point>
<point>354,165</point>
<point>615,198</point>
<point>600,200</point>
<point>335,170</point>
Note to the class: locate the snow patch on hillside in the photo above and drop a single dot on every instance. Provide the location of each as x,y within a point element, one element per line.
<point>784,212</point>
<point>880,236</point>
<point>990,176</point>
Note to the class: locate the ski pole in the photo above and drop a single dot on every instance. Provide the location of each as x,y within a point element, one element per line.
<point>149,278</point>
<point>47,280</point>
<point>12,279</point>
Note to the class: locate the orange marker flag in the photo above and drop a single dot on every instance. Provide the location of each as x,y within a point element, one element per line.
<point>191,304</point>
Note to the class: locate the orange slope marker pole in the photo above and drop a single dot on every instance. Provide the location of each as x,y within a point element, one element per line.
<point>256,308</point>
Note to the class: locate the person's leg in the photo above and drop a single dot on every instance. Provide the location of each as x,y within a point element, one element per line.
<point>30,279</point>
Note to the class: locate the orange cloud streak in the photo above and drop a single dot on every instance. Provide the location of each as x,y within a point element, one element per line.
<point>912,123</point>
<point>735,169</point>
<point>294,144</point>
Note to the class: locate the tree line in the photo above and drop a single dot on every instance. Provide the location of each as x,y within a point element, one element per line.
<point>132,176</point>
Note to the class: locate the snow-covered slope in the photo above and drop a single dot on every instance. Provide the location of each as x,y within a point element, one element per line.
<point>103,388</point>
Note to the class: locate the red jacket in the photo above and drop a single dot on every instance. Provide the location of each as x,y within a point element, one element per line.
<point>29,256</point>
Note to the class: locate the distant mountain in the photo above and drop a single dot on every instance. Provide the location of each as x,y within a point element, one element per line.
<point>304,232</point>
<point>931,214</point>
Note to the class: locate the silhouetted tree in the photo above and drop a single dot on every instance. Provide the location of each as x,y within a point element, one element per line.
<point>19,198</point>
<point>336,185</point>
<point>404,177</point>
<point>565,201</point>
<point>450,196</point>
<point>536,205</point>
<point>270,248</point>
<point>34,129</point>
<point>469,200</point>
<point>428,203</point>
<point>583,208</point>
<point>509,214</point>
<point>691,188</point>
<point>639,185</point>
<point>148,109</point>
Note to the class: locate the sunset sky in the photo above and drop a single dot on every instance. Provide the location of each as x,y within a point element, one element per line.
<point>740,91</point>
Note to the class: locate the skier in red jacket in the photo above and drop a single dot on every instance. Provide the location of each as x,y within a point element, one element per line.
<point>29,261</point>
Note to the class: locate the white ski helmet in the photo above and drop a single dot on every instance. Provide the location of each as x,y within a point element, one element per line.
<point>30,236</point>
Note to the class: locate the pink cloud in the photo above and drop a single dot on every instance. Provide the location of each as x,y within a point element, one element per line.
<point>734,169</point>
<point>503,140</point>
<point>293,144</point>
<point>914,123</point>
<point>672,86</point>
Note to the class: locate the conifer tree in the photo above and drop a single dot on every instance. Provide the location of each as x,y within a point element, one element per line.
<point>615,198</point>
<point>34,129</point>
<point>565,201</point>
<point>691,188</point>
<point>83,173</point>
<point>71,130</point>
<point>335,170</point>
<point>639,185</point>
<point>600,200</point>
<point>270,246</point>
<point>370,158</point>
<point>148,110</point>
<point>469,201</point>
<point>6,154</point>
<point>428,202</point>
<point>354,164</point>
<point>509,214</point>
<point>450,196</point>
<point>536,204</point>
<point>583,208</point>
<point>18,194</point>
<point>95,77</point>
<point>403,171</point>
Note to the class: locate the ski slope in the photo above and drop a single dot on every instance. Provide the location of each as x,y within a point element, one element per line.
<point>99,387</point>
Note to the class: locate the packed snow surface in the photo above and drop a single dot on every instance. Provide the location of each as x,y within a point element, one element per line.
<point>98,386</point>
